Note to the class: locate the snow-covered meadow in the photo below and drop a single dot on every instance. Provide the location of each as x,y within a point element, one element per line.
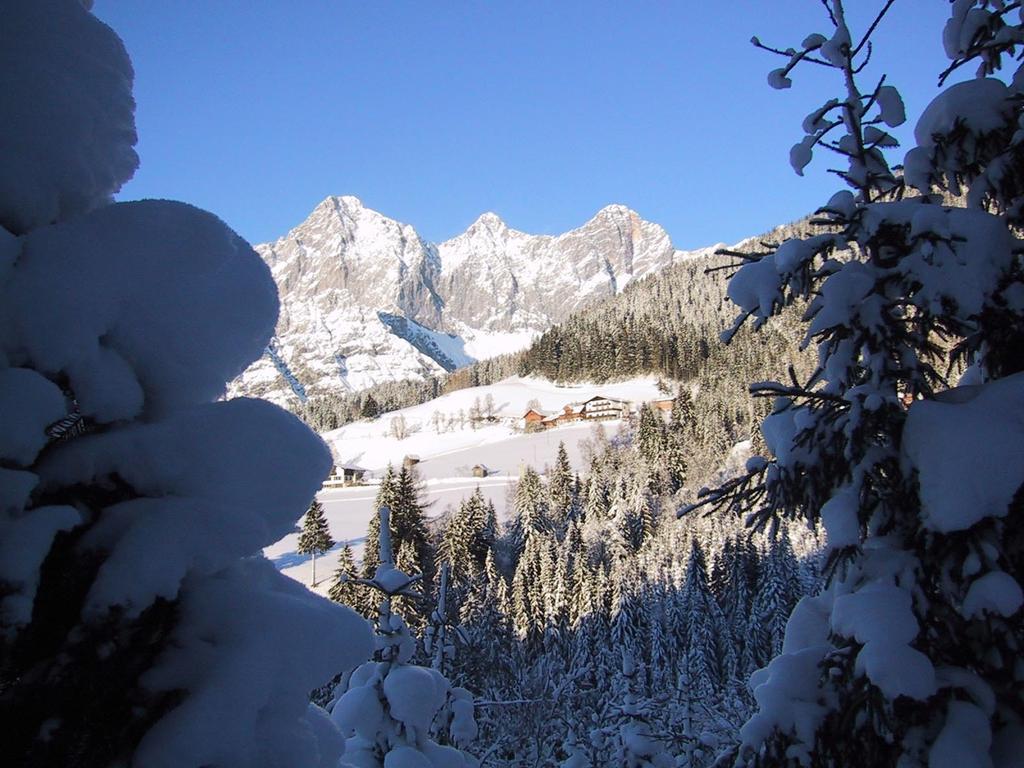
<point>373,445</point>
<point>447,457</point>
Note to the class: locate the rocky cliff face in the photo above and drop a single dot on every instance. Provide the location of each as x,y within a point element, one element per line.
<point>364,299</point>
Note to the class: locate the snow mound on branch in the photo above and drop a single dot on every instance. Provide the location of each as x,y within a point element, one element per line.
<point>414,695</point>
<point>969,455</point>
<point>150,306</point>
<point>788,698</point>
<point>962,115</point>
<point>67,122</point>
<point>247,678</point>
<point>24,542</point>
<point>30,403</point>
<point>15,488</point>
<point>218,481</point>
<point>995,592</point>
<point>964,740</point>
<point>980,105</point>
<point>839,515</point>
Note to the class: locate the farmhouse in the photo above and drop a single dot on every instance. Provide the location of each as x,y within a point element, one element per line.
<point>600,408</point>
<point>345,474</point>
<point>572,412</point>
<point>533,416</point>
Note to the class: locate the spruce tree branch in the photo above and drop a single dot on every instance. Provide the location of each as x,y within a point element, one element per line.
<point>871,29</point>
<point>974,50</point>
<point>831,16</point>
<point>790,54</point>
<point>775,389</point>
<point>870,102</point>
<point>857,70</point>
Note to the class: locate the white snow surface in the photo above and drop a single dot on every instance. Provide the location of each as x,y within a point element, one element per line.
<point>67,122</point>
<point>143,311</point>
<point>839,516</point>
<point>24,544</point>
<point>236,651</point>
<point>368,444</point>
<point>447,459</point>
<point>30,403</point>
<point>968,452</point>
<point>995,592</point>
<point>216,482</point>
<point>149,306</point>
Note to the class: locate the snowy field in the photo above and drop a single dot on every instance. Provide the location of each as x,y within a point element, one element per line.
<point>348,512</point>
<point>447,458</point>
<point>368,444</point>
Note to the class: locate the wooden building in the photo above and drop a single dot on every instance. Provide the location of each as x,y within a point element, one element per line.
<point>600,407</point>
<point>345,475</point>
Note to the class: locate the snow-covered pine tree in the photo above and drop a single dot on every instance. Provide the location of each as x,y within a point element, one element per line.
<point>596,505</point>
<point>343,589</point>
<point>909,656</point>
<point>485,659</point>
<point>529,510</point>
<point>468,537</point>
<point>660,643</point>
<point>410,523</point>
<point>521,596</point>
<point>452,549</point>
<point>134,598</point>
<point>398,492</point>
<point>675,461</point>
<point>703,624</point>
<point>631,740</point>
<point>387,496</point>
<point>560,490</point>
<point>649,435</point>
<point>778,588</point>
<point>388,709</point>
<point>315,538</point>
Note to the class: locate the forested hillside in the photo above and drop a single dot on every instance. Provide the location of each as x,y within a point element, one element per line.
<point>592,626</point>
<point>668,324</point>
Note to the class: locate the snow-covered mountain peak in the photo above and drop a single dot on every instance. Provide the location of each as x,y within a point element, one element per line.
<point>616,211</point>
<point>364,299</point>
<point>350,202</point>
<point>489,221</point>
<point>622,219</point>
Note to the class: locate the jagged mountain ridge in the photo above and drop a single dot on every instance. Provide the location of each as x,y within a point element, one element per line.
<point>365,299</point>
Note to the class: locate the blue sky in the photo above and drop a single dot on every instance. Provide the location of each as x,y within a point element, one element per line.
<point>433,113</point>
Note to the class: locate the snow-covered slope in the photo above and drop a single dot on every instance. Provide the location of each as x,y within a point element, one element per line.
<point>364,299</point>
<point>448,448</point>
<point>441,427</point>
